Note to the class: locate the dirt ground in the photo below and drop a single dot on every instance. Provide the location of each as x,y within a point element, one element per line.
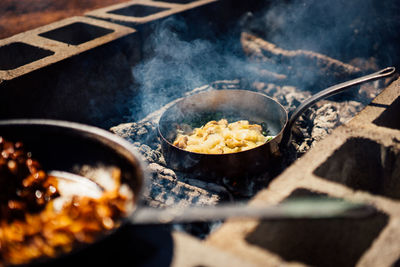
<point>21,15</point>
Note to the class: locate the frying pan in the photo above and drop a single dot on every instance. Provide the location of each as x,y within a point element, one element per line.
<point>196,110</point>
<point>69,148</point>
<point>63,147</point>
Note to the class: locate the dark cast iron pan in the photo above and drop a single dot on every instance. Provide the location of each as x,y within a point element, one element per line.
<point>62,146</point>
<point>68,147</point>
<point>196,110</point>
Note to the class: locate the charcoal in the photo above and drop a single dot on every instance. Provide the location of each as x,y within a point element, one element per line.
<point>150,154</point>
<point>162,171</point>
<point>145,132</point>
<point>299,66</point>
<point>267,75</point>
<point>325,119</point>
<point>167,190</point>
<point>328,115</point>
<point>144,137</point>
<point>289,97</point>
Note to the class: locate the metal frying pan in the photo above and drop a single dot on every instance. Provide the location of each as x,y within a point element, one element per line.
<point>65,149</point>
<point>234,105</point>
<point>61,147</point>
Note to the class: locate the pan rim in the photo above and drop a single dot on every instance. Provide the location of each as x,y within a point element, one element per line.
<point>94,131</point>
<point>180,100</point>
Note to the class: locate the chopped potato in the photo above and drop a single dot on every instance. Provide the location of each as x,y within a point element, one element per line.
<point>221,137</point>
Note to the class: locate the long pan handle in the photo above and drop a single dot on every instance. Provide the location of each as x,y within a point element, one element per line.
<point>304,208</point>
<point>333,90</point>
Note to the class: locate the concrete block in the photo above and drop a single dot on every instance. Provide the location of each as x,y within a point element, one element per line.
<point>190,251</point>
<point>383,111</point>
<point>358,162</point>
<point>43,46</point>
<point>144,11</point>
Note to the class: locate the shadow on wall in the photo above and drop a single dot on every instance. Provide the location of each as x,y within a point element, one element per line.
<point>364,164</point>
<point>325,242</point>
<point>390,118</point>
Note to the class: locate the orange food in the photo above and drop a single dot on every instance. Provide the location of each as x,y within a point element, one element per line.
<point>49,233</point>
<point>24,186</point>
<point>45,231</point>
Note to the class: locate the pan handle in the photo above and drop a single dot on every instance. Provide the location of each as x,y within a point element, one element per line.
<point>335,89</point>
<point>296,208</point>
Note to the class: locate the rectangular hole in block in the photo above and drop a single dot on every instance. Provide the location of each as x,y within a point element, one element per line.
<point>364,164</point>
<point>322,242</point>
<point>76,33</point>
<point>137,10</point>
<point>396,263</point>
<point>15,55</point>
<point>390,118</point>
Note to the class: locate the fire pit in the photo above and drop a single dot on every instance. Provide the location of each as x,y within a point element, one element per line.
<point>120,67</point>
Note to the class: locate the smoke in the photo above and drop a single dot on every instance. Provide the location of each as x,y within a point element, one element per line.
<point>340,29</point>
<point>177,64</point>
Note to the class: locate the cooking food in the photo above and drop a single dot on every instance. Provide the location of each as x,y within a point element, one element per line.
<point>24,186</point>
<point>32,223</point>
<point>221,137</point>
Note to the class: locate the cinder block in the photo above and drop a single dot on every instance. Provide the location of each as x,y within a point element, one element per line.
<point>143,11</point>
<point>384,110</point>
<point>358,162</point>
<point>190,251</point>
<point>43,46</point>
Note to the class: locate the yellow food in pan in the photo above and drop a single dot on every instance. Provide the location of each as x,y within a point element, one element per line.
<point>221,137</point>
